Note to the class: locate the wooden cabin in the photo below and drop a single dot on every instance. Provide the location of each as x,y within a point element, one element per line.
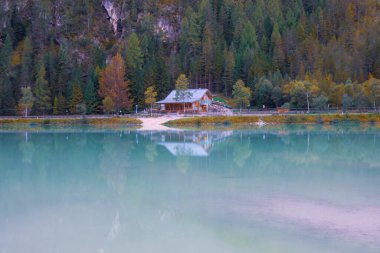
<point>199,101</point>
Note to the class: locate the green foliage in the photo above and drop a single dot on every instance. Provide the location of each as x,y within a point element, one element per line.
<point>134,64</point>
<point>241,94</point>
<point>320,102</point>
<point>26,64</point>
<point>150,96</point>
<point>346,102</point>
<point>27,100</point>
<point>43,100</point>
<point>6,93</point>
<point>91,97</point>
<point>263,92</point>
<point>182,89</point>
<point>108,105</point>
<point>276,95</point>
<point>76,102</point>
<point>372,91</point>
<point>214,43</point>
<point>182,83</point>
<point>55,106</point>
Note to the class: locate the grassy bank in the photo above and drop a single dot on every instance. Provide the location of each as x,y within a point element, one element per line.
<point>277,119</point>
<point>71,121</point>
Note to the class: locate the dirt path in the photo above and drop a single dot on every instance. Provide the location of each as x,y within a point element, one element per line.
<point>156,124</point>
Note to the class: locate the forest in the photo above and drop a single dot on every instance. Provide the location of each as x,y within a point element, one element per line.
<point>57,56</point>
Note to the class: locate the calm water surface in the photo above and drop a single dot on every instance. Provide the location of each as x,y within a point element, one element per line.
<point>267,190</point>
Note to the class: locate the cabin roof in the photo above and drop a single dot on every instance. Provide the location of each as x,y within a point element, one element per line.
<point>197,95</point>
<point>184,148</point>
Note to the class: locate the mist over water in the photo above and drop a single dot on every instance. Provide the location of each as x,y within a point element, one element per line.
<point>268,190</point>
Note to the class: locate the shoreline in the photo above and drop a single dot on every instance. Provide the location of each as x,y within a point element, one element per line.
<point>275,120</point>
<point>169,122</point>
<point>96,121</point>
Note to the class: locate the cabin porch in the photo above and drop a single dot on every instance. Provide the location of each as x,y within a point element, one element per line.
<point>178,107</point>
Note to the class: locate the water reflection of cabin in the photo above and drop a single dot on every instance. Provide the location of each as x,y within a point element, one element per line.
<point>190,143</point>
<point>185,149</point>
<point>198,102</point>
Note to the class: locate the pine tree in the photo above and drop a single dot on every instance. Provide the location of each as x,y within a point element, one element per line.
<point>26,63</point>
<point>41,91</point>
<point>55,106</point>
<point>63,73</point>
<point>162,79</point>
<point>51,68</point>
<point>278,50</point>
<point>7,99</point>
<point>259,17</point>
<point>76,102</point>
<point>61,105</point>
<point>248,38</point>
<point>134,62</point>
<point>91,96</point>
<point>228,78</point>
<point>208,60</point>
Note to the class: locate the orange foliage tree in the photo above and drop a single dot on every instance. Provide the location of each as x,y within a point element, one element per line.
<point>114,85</point>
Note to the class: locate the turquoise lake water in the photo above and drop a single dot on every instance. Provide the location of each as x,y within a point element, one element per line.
<point>288,190</point>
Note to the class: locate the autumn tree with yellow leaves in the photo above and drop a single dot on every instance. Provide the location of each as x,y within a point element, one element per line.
<point>114,87</point>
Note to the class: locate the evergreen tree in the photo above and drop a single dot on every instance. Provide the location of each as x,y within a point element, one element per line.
<point>228,78</point>
<point>208,60</point>
<point>63,71</point>
<point>51,68</point>
<point>76,102</point>
<point>91,96</point>
<point>26,64</point>
<point>7,106</point>
<point>55,106</point>
<point>43,101</point>
<point>134,62</point>
<point>162,79</point>
<point>278,51</point>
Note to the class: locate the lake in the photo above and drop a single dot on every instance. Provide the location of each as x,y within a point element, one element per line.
<point>282,189</point>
